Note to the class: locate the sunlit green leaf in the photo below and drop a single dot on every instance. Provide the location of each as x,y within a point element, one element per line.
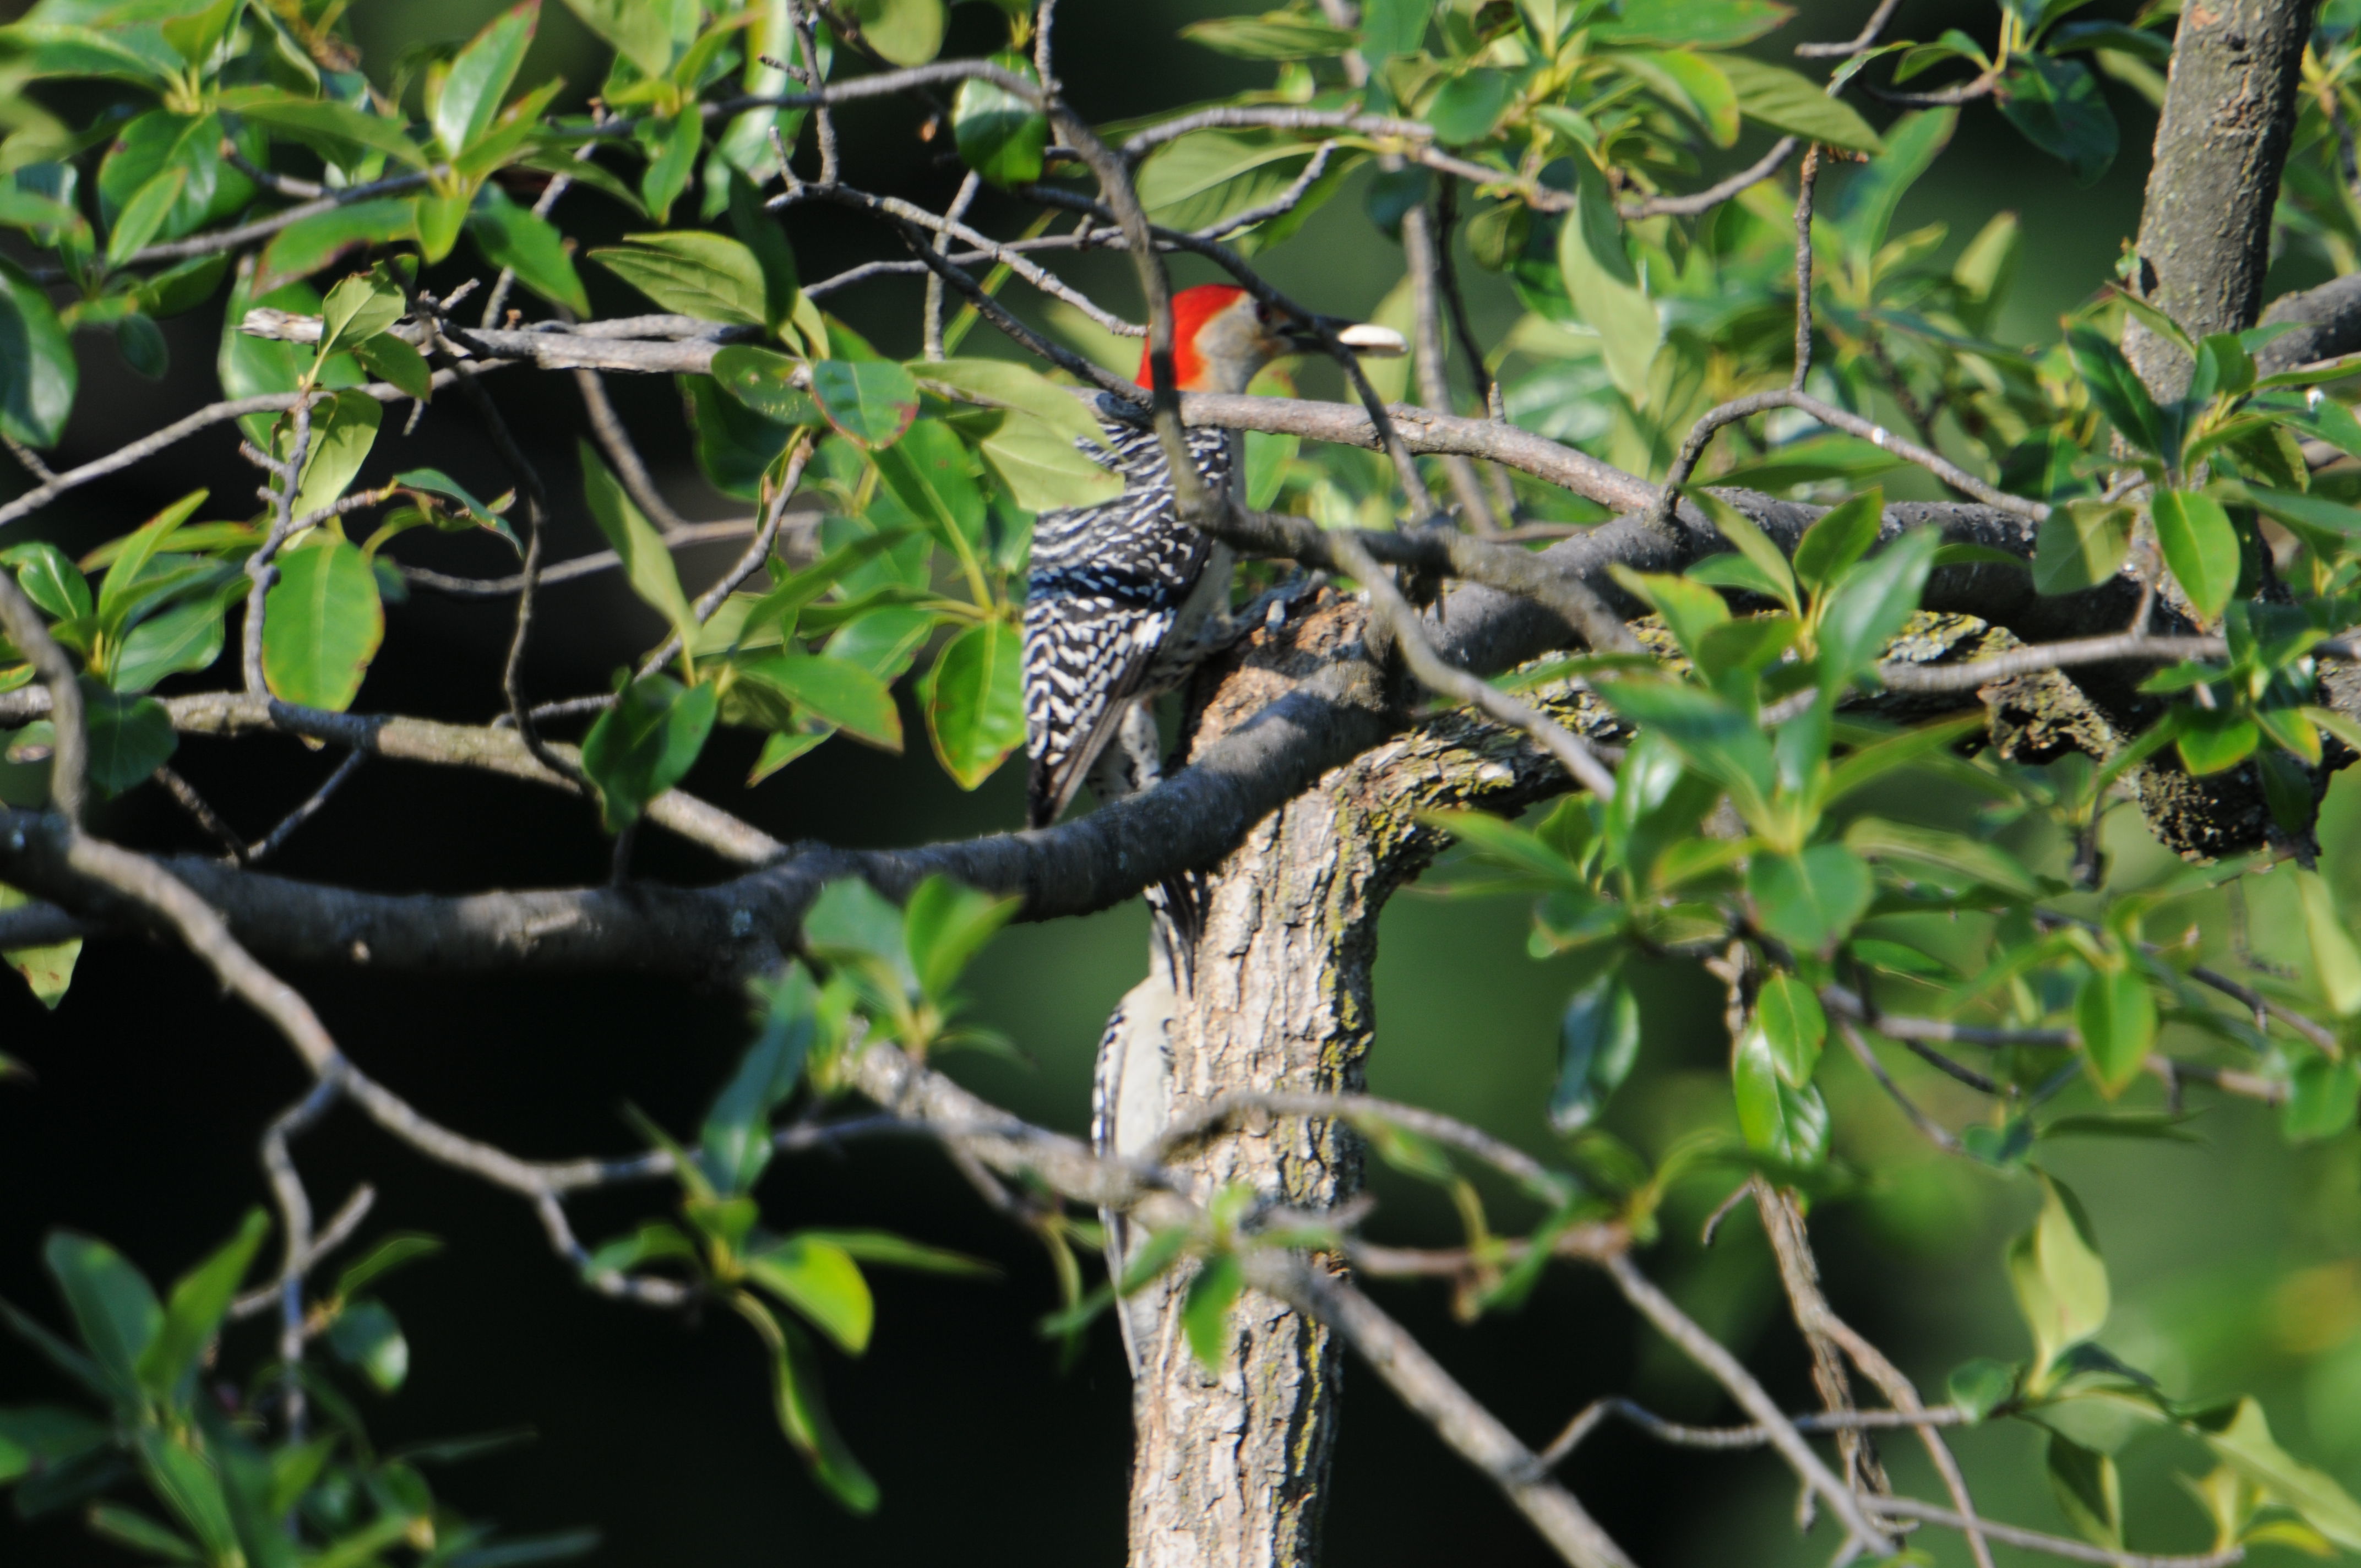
<point>324,622</point>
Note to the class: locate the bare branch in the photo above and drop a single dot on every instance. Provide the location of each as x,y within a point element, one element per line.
<point>2055,1545</point>
<point>1859,42</point>
<point>1700,201</point>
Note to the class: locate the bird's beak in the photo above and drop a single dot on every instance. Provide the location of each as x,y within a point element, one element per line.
<point>1366,340</point>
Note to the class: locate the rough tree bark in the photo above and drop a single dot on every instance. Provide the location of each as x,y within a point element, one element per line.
<point>2205,230</point>
<point>1231,1469</point>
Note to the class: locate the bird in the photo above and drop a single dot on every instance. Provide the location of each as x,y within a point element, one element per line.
<point>1119,598</point>
<point>1117,593</point>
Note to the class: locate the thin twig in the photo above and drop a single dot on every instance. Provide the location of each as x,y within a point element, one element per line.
<point>271,843</point>
<point>932,319</point>
<point>2055,1545</point>
<point>750,561</point>
<point>615,441</point>
<point>1859,43</point>
<point>1807,179</point>
<point>1714,194</point>
<point>287,476</point>
<point>334,1234</point>
<point>1942,1137</point>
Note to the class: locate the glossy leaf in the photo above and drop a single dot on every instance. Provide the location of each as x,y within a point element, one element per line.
<point>1705,24</point>
<point>130,737</point>
<point>1276,35</point>
<point>1786,100</point>
<point>145,213</point>
<point>1465,107</point>
<point>116,1313</point>
<point>843,695</point>
<point>1606,289</point>
<point>1794,1026</point>
<point>322,624</point>
<point>1598,1041</point>
<point>2058,107</point>
<point>822,1283</point>
<point>1042,468</point>
<point>1770,563</point>
<point>308,245</point>
<point>2089,1492</point>
<point>974,702</point>
<point>803,1411</point>
<point>1205,1311</point>
<point>390,360</point>
<point>2336,961</point>
<point>1783,1123</point>
<point>647,564</point>
<point>673,159</point>
<point>2117,1018</point>
<point>870,401</point>
<point>2117,391</point>
<point>38,374</point>
<point>1949,854</point>
<point>2200,547</point>
<point>1809,899</point>
<point>478,78</point>
<point>2240,1434</point>
<point>692,273</point>
<point>2059,1277</point>
<point>1869,605</point>
<point>48,578</point>
<point>2082,545</point>
<point>646,744</point>
<point>1830,547</point>
<point>310,119</point>
<point>2322,1099</point>
<point>999,133</point>
<point>944,925</point>
<point>640,32</point>
<point>367,1337</point>
<point>764,382</point>
<point>515,236</point>
<point>196,1308</point>
<point>903,32</point>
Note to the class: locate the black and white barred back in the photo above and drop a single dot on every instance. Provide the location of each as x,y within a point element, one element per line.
<point>1107,589</point>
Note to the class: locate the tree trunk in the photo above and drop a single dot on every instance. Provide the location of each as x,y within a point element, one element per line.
<point>1231,1468</point>
<point>2206,231</point>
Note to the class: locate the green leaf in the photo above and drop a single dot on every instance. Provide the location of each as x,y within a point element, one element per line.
<point>114,1312</point>
<point>1598,1041</point>
<point>187,637</point>
<point>1005,383</point>
<point>344,429</point>
<point>192,1489</point>
<point>358,308</point>
<point>307,244</point>
<point>903,32</point>
<point>2322,1098</point>
<point>1716,738</point>
<point>145,213</point>
<point>1866,204</point>
<point>439,216</point>
<point>1691,612</point>
<point>1205,1311</point>
<point>945,925</point>
<point>2088,1490</point>
<point>1275,35</point>
<point>735,445</point>
<point>387,1255</point>
<point>367,1337</point>
<point>130,737</point>
<point>38,374</point>
<point>48,971</point>
<point>1981,1386</point>
<point>639,32</point>
<point>1000,135</point>
<point>1041,469</point>
<point>128,1527</point>
<point>1603,285</point>
<point>1785,1123</point>
<point>1831,546</point>
<point>2059,1277</point>
<point>803,1408</point>
<point>467,96</point>
<point>974,701</point>
<point>2335,961</point>
<point>514,236</point>
<point>54,49</point>
<point>2117,391</point>
<point>927,470</point>
<point>764,382</point>
<point>895,1252</point>
<point>2058,107</point>
<point>1869,605</point>
<point>2082,545</point>
<point>49,580</point>
<point>1786,101</point>
<point>1810,901</point>
<point>1768,561</point>
<point>2200,547</point>
<point>310,119</point>
<point>870,401</point>
<point>2241,1435</point>
<point>193,1313</point>
<point>840,694</point>
<point>1951,854</point>
<point>2213,741</point>
<point>646,744</point>
<point>392,361</point>
<point>2117,1018</point>
<point>708,276</point>
<point>1465,107</point>
<point>647,564</point>
<point>850,920</point>
<point>1707,24</point>
<point>322,624</point>
<point>673,159</point>
<point>821,1281</point>
<point>1873,761</point>
<point>1793,1026</point>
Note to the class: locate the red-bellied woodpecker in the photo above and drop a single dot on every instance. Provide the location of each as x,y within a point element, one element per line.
<point>1118,598</point>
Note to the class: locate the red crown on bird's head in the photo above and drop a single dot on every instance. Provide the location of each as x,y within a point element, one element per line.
<point>1191,308</point>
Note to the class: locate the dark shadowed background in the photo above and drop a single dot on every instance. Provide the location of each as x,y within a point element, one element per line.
<point>142,1126</point>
